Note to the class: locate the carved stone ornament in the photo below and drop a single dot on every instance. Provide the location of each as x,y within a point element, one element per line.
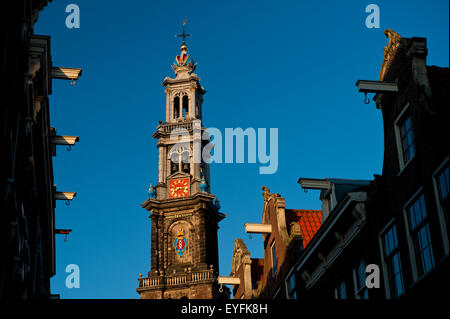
<point>239,254</point>
<point>267,195</point>
<point>389,51</point>
<point>295,230</point>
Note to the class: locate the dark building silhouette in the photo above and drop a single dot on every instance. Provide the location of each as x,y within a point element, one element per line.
<point>402,224</point>
<point>27,191</point>
<point>394,228</point>
<point>331,266</point>
<point>407,204</point>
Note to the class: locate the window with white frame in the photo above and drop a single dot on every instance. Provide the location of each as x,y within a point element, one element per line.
<point>274,259</point>
<point>420,234</point>
<point>291,286</point>
<point>391,255</point>
<point>361,290</point>
<point>340,292</point>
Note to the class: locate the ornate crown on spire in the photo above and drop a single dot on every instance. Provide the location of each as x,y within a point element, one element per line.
<point>184,61</point>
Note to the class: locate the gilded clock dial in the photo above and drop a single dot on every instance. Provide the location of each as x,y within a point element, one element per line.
<point>179,188</point>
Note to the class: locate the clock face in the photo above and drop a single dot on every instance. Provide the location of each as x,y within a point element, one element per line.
<point>179,187</point>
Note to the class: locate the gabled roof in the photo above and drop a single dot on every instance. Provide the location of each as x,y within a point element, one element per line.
<point>308,219</point>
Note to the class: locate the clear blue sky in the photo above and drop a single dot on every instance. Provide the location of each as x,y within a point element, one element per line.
<point>286,64</point>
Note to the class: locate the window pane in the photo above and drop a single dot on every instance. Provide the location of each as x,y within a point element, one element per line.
<point>387,249</point>
<point>408,123</point>
<point>398,285</point>
<point>426,260</point>
<point>406,155</point>
<point>407,139</point>
<point>425,250</point>
<point>417,212</point>
<point>291,283</point>
<point>405,142</point>
<point>391,241</point>
<point>423,208</point>
<point>412,216</point>
<point>423,238</point>
<point>411,151</point>
<point>402,130</point>
<point>395,276</point>
<point>396,267</point>
<point>407,152</point>
<point>392,259</point>
<point>361,274</point>
<point>342,291</point>
<point>394,235</point>
<point>443,184</point>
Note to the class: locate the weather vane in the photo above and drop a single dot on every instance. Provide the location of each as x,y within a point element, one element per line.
<point>183,35</point>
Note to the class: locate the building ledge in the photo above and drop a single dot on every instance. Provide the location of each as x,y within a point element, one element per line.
<point>376,86</point>
<point>258,228</point>
<point>66,73</point>
<point>228,280</point>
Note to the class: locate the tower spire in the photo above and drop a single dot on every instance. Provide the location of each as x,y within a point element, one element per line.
<point>185,218</point>
<point>183,62</point>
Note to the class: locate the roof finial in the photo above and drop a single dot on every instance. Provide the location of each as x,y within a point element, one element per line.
<point>183,35</point>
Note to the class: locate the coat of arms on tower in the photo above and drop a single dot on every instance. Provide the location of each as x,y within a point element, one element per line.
<point>180,242</point>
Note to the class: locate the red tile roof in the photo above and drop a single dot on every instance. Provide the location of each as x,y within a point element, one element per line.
<point>308,219</point>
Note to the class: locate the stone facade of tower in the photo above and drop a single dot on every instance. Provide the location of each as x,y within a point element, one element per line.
<point>184,216</point>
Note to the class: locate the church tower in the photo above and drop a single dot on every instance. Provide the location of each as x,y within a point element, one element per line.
<point>184,214</point>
